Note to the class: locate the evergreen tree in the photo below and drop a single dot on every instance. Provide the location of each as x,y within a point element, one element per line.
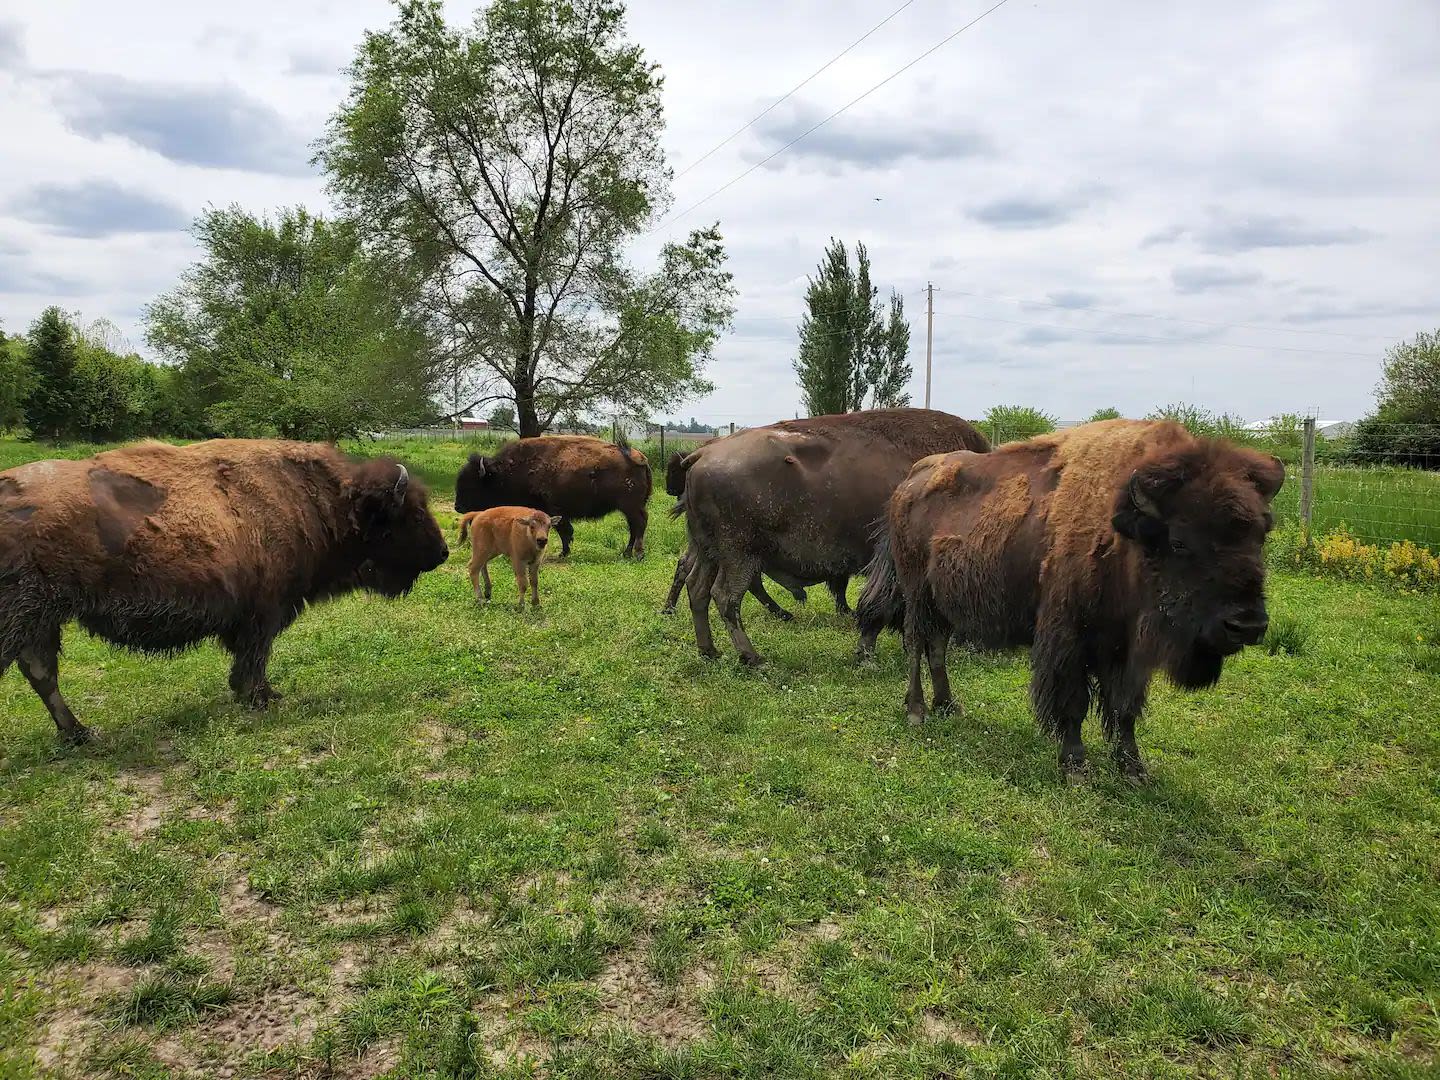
<point>848,349</point>
<point>52,356</point>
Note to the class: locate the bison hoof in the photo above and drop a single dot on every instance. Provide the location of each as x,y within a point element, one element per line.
<point>667,611</point>
<point>261,698</point>
<point>783,615</point>
<point>915,719</point>
<point>710,653</point>
<point>1075,777</point>
<point>1134,773</point>
<point>78,735</point>
<point>752,660</point>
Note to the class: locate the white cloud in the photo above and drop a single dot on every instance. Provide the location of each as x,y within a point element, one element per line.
<point>1291,144</point>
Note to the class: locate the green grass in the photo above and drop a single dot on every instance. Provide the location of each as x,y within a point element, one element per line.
<point>470,840</point>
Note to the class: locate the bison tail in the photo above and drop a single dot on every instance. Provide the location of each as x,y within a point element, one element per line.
<point>465,527</point>
<point>882,603</point>
<point>678,510</point>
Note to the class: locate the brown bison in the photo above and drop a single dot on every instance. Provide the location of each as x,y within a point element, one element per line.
<point>157,548</point>
<point>575,477</point>
<point>517,532</point>
<point>675,485</point>
<point>1113,550</point>
<point>797,501</point>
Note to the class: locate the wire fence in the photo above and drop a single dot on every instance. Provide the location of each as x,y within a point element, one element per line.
<point>1379,483</point>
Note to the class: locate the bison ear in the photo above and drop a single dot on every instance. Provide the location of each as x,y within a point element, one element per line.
<point>1267,473</point>
<point>377,494</point>
<point>477,462</point>
<point>1140,508</point>
<point>402,485</point>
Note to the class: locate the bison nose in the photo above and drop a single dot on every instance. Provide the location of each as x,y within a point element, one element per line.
<point>1247,628</point>
<point>444,552</point>
<point>540,541</point>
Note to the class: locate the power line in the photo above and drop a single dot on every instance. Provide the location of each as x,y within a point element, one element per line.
<point>816,127</point>
<point>793,90</point>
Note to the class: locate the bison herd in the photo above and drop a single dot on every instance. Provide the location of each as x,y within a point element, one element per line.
<point>1112,550</point>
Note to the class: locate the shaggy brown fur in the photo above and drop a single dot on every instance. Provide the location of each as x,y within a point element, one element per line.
<point>574,477</point>
<point>798,501</point>
<point>157,547</point>
<point>1112,550</point>
<point>517,532</point>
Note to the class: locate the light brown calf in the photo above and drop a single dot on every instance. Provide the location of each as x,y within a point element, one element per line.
<point>517,532</point>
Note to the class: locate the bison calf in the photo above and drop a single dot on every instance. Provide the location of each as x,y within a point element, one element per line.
<point>157,548</point>
<point>1113,550</point>
<point>516,532</point>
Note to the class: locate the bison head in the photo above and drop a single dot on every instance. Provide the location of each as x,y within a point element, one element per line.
<point>477,487</point>
<point>675,475</point>
<point>1200,517</point>
<point>398,537</point>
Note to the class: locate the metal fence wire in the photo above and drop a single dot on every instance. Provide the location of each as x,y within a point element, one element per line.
<point>1378,482</point>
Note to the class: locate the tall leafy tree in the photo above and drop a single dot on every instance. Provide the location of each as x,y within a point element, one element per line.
<point>15,379</point>
<point>1405,427</point>
<point>290,327</point>
<point>52,356</point>
<point>507,165</point>
<point>849,349</point>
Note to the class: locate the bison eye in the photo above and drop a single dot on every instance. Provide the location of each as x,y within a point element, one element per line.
<point>1178,546</point>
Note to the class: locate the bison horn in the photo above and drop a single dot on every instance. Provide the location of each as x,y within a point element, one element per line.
<point>1141,501</point>
<point>402,483</point>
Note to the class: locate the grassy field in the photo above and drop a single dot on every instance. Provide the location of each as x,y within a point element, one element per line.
<point>472,843</point>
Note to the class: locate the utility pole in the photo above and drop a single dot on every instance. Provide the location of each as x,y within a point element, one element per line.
<point>929,335</point>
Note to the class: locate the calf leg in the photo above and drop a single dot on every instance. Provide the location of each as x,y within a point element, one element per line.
<point>729,589</point>
<point>638,520</point>
<point>41,663</point>
<point>1060,693</point>
<point>757,590</point>
<point>698,585</point>
<point>1122,700</point>
<point>248,679</point>
<point>838,587</point>
<point>682,571</point>
<point>521,584</point>
<point>535,583</point>
<point>567,534</point>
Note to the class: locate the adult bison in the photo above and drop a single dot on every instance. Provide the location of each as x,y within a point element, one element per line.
<point>675,485</point>
<point>797,501</point>
<point>574,477</point>
<point>1113,550</point>
<point>157,548</point>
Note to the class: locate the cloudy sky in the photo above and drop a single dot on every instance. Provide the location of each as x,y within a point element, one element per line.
<point>1119,203</point>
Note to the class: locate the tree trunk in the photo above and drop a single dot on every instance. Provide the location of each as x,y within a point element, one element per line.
<point>526,419</point>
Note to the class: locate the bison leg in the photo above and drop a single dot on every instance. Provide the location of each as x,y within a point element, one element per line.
<point>248,678</point>
<point>935,649</point>
<point>1122,700</point>
<point>730,587</point>
<point>757,590</point>
<point>1060,693</point>
<point>925,631</point>
<point>838,587</point>
<point>638,520</point>
<point>41,664</point>
<point>567,534</point>
<point>535,583</point>
<point>682,571</point>
<point>699,585</point>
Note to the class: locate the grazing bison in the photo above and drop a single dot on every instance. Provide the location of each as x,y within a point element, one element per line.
<point>675,485</point>
<point>575,477</point>
<point>157,548</point>
<point>797,501</point>
<point>1113,550</point>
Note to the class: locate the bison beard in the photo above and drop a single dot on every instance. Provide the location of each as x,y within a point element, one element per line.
<point>1112,550</point>
<point>157,548</point>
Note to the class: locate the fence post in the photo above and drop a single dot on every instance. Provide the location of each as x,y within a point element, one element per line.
<point>1307,480</point>
<point>662,442</point>
<point>732,427</point>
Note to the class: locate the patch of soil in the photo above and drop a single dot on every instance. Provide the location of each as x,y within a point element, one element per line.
<point>631,997</point>
<point>147,786</point>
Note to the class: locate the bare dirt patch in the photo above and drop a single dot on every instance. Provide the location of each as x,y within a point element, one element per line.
<point>631,997</point>
<point>152,803</point>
